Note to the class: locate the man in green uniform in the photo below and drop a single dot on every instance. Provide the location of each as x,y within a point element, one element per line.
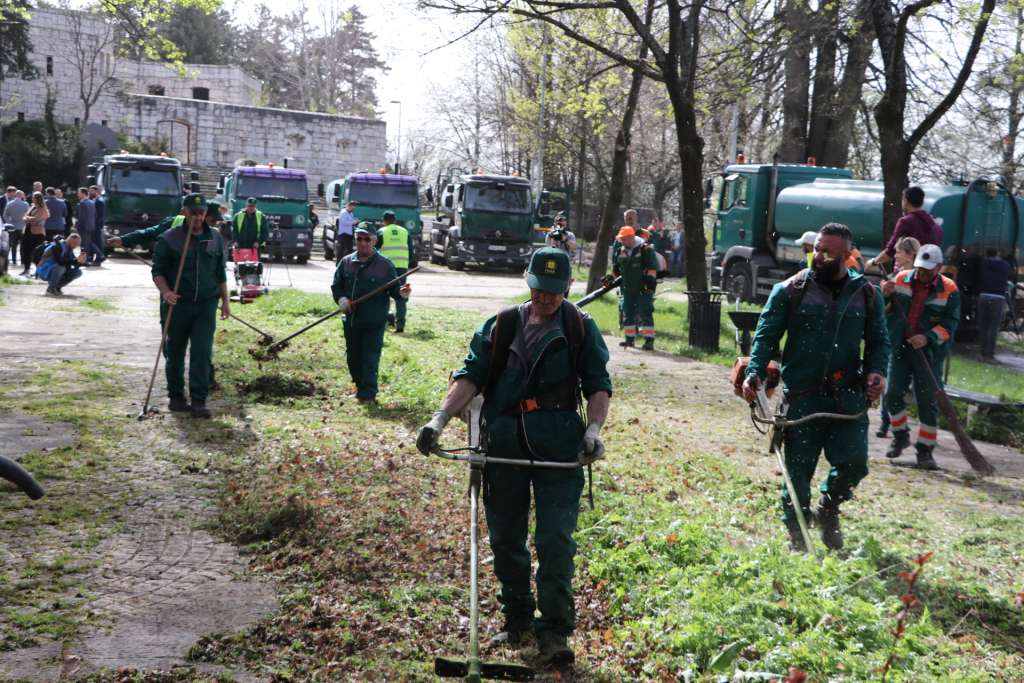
<point>930,305</point>
<point>395,242</point>
<point>637,263</point>
<point>359,273</point>
<point>825,312</point>
<point>532,362</point>
<point>194,320</point>
<point>249,228</point>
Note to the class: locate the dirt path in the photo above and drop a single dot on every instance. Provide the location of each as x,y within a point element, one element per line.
<point>159,582</point>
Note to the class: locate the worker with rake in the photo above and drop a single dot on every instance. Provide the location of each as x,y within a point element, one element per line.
<point>534,363</point>
<point>637,263</point>
<point>825,312</point>
<point>188,269</point>
<point>930,312</point>
<point>359,273</point>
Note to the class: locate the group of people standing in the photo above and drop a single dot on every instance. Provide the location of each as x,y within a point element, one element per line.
<point>45,216</point>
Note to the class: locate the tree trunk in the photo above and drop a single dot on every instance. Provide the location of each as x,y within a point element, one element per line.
<point>606,229</point>
<point>691,171</point>
<point>823,100</point>
<point>1009,161</point>
<point>797,64</point>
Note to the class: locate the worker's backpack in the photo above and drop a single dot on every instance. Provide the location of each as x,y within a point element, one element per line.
<point>507,324</point>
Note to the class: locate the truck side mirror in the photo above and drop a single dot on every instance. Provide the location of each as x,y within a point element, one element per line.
<point>448,202</point>
<point>194,176</point>
<point>429,194</point>
<point>194,187</point>
<point>90,180</point>
<point>92,168</point>
<point>319,189</point>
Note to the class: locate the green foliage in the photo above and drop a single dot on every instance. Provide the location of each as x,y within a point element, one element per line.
<point>40,150</point>
<point>204,34</point>
<point>141,25</point>
<point>15,57</point>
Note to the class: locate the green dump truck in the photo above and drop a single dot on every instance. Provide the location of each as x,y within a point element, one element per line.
<point>283,198</point>
<point>484,221</point>
<point>138,190</point>
<point>763,209</point>
<point>374,193</point>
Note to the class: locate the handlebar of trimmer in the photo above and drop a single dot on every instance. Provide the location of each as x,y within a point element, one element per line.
<point>761,406</point>
<point>16,474</point>
<point>477,457</point>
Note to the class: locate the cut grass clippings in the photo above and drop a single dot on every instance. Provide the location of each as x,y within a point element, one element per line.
<point>682,566</point>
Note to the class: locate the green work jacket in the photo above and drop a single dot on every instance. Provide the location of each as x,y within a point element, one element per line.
<point>354,278</point>
<point>249,230</point>
<point>203,273</point>
<point>146,235</point>
<point>939,317</point>
<point>809,360</point>
<point>631,265</point>
<point>395,242</point>
<point>546,434</point>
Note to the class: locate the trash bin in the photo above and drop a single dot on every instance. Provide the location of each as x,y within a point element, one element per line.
<point>705,313</point>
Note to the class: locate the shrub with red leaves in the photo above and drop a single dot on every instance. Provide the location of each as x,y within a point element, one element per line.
<point>910,601</point>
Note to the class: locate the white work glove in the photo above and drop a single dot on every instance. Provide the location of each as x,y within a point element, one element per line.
<point>345,305</point>
<point>593,447</point>
<point>426,440</point>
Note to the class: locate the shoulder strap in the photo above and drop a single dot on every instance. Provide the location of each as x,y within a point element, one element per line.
<point>504,331</point>
<point>797,288</point>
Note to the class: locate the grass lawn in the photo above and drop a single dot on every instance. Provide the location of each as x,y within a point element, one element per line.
<point>682,565</point>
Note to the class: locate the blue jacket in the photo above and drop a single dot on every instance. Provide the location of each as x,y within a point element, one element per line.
<point>86,216</point>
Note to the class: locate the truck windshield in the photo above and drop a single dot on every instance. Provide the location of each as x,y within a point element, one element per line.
<point>136,180</point>
<point>384,195</point>
<point>506,198</point>
<point>271,188</point>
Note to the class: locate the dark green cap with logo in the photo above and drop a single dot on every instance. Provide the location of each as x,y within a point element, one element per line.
<point>194,201</point>
<point>549,271</point>
<point>251,201</point>
<point>214,208</point>
<point>366,227</point>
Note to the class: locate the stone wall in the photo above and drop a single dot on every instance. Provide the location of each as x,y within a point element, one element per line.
<point>228,84</point>
<point>218,134</point>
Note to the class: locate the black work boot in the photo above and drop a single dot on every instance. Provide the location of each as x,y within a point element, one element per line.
<point>796,539</point>
<point>627,344</point>
<point>828,519</point>
<point>554,651</point>
<point>200,410</point>
<point>883,428</point>
<point>900,440</point>
<point>925,460</point>
<point>514,633</point>
<point>648,344</point>
<point>178,404</point>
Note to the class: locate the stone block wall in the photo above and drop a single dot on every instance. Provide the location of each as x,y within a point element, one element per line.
<point>217,134</point>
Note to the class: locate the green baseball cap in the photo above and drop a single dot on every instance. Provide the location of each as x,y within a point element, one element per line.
<point>549,271</point>
<point>214,208</point>
<point>251,201</point>
<point>365,227</point>
<point>194,201</point>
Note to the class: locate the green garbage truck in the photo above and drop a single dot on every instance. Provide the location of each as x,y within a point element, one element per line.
<point>484,221</point>
<point>763,209</point>
<point>283,198</point>
<point>374,193</point>
<point>138,190</point>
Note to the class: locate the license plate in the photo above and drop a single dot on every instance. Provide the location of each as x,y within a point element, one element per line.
<point>497,247</point>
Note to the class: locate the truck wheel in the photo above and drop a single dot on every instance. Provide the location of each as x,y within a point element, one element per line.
<point>434,258</point>
<point>450,259</point>
<point>328,253</point>
<point>301,260</point>
<point>737,282</point>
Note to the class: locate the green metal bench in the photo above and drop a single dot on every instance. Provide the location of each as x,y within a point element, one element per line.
<point>978,401</point>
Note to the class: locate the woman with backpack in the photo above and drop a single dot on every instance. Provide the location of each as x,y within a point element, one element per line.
<point>35,229</point>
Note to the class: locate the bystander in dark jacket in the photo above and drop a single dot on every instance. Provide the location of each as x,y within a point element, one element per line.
<point>55,224</point>
<point>992,305</point>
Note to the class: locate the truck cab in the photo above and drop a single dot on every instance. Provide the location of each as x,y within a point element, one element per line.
<point>138,190</point>
<point>283,198</point>
<point>483,220</point>
<point>374,193</point>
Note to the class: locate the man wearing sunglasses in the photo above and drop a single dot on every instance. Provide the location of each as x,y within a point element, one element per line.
<point>358,274</point>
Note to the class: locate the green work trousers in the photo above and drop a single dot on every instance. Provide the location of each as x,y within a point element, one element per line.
<point>363,346</point>
<point>904,369</point>
<point>507,503</point>
<point>192,326</point>
<point>845,443</point>
<point>637,314</point>
<point>401,304</point>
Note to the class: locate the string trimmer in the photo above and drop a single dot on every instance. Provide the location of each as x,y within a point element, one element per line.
<point>272,350</point>
<point>472,669</point>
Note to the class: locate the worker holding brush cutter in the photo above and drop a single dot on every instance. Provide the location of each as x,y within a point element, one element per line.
<point>195,252</point>
<point>359,273</point>
<point>824,312</point>
<point>534,363</point>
